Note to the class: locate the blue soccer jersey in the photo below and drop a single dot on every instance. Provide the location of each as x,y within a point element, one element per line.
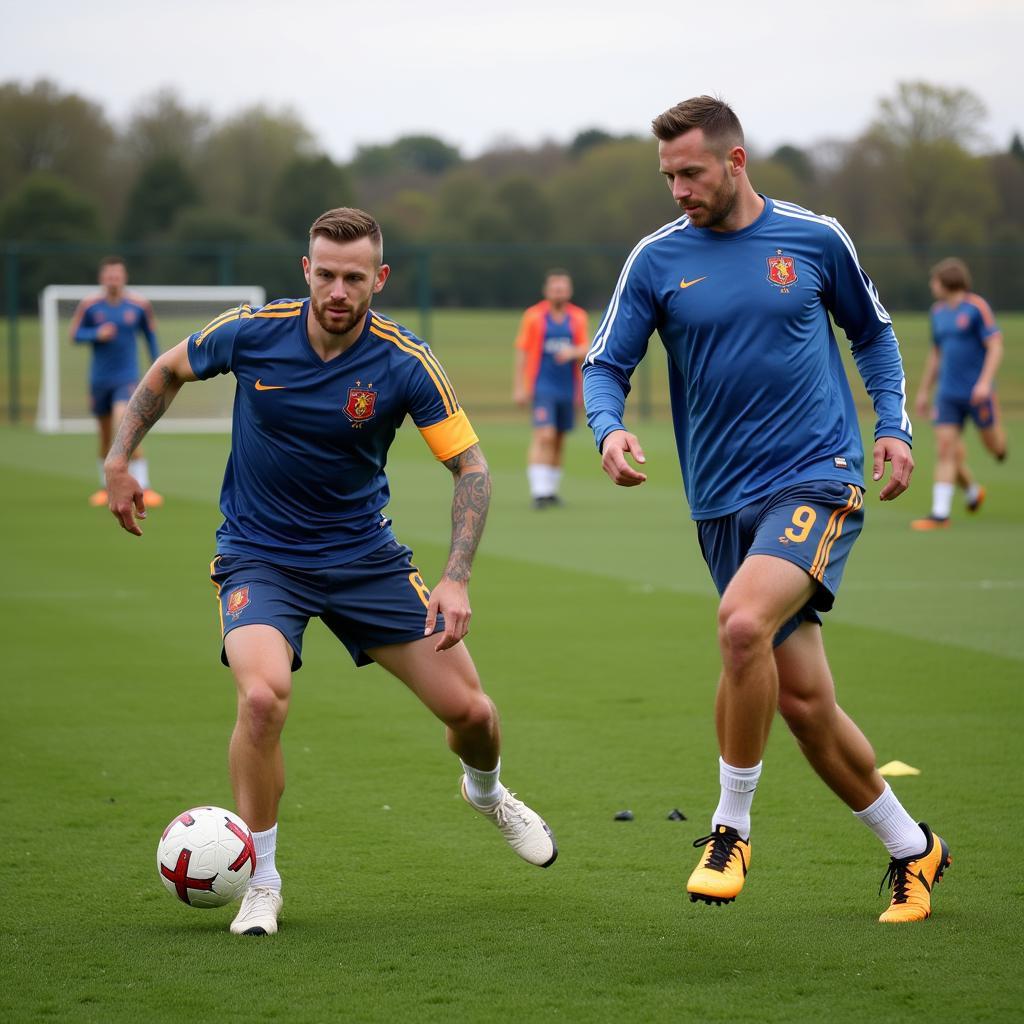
<point>759,396</point>
<point>555,379</point>
<point>115,361</point>
<point>305,484</point>
<point>961,333</point>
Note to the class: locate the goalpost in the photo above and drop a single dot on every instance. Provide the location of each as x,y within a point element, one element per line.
<point>180,310</point>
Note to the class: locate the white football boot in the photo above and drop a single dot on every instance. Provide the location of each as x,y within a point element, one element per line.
<point>524,829</point>
<point>259,911</point>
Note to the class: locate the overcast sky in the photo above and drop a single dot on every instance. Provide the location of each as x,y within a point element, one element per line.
<point>472,73</point>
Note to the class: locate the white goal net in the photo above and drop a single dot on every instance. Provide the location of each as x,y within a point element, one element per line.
<point>180,311</point>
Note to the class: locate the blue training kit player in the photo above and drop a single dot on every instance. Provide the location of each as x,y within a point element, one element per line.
<point>322,386</point>
<point>304,490</point>
<point>115,360</point>
<point>110,322</point>
<point>740,290</point>
<point>960,333</point>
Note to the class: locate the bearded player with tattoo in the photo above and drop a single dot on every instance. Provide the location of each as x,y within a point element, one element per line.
<point>322,386</point>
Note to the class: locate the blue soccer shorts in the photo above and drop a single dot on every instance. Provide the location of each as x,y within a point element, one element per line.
<point>813,525</point>
<point>103,397</point>
<point>554,412</point>
<point>956,411</point>
<point>378,600</point>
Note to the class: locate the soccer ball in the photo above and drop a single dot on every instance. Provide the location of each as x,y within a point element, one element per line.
<point>206,857</point>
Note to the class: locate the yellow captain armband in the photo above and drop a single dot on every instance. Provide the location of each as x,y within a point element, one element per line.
<point>450,437</point>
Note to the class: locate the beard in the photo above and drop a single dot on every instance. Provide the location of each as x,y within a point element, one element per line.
<point>717,209</point>
<point>337,324</point>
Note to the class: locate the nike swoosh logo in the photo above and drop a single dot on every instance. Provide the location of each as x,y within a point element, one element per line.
<point>260,386</point>
<point>688,284</point>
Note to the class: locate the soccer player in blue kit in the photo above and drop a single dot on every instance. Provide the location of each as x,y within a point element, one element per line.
<point>322,385</point>
<point>109,322</point>
<point>550,346</point>
<point>967,348</point>
<point>740,289</point>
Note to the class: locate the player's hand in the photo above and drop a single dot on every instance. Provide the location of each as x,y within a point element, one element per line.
<point>613,458</point>
<point>566,354</point>
<point>124,498</point>
<point>922,406</point>
<point>980,393</point>
<point>896,452</point>
<point>521,395</point>
<point>106,332</point>
<point>450,598</point>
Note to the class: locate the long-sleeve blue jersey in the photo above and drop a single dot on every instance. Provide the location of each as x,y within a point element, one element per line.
<point>759,395</point>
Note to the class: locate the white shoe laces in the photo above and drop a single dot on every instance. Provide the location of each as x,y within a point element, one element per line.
<point>259,899</point>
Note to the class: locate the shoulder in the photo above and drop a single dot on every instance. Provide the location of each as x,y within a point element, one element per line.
<point>403,344</point>
<point>827,229</point>
<point>89,302</point>
<point>139,301</point>
<point>665,237</point>
<point>980,307</point>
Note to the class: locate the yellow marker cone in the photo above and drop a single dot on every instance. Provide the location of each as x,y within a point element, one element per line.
<point>894,768</point>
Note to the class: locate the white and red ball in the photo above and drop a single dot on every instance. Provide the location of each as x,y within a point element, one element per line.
<point>206,857</point>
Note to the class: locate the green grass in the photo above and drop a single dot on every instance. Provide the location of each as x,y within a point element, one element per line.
<point>594,632</point>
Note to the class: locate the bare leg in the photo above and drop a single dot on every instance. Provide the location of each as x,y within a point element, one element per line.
<point>261,660</point>
<point>448,685</point>
<point>949,454</point>
<point>836,749</point>
<point>763,594</point>
<point>993,437</point>
<point>543,447</point>
<point>105,434</point>
<point>964,479</point>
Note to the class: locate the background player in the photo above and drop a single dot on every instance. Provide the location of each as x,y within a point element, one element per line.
<point>967,348</point>
<point>550,346</point>
<point>322,386</point>
<point>740,290</point>
<point>109,322</point>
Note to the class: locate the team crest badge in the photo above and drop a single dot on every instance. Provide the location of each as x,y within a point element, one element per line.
<point>360,404</point>
<point>237,601</point>
<point>782,270</point>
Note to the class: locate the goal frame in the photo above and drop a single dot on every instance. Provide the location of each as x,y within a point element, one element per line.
<point>48,414</point>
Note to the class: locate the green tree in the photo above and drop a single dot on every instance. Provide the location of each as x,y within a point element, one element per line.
<point>308,186</point>
<point>53,132</point>
<point>422,154</point>
<point>162,126</point>
<point>163,189</point>
<point>796,160</point>
<point>243,160</point>
<point>588,139</point>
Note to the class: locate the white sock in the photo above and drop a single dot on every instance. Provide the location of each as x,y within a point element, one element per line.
<point>738,785</point>
<point>139,468</point>
<point>103,476</point>
<point>899,832</point>
<point>973,491</point>
<point>942,500</point>
<point>554,478</point>
<point>537,474</point>
<point>483,788</point>
<point>266,849</point>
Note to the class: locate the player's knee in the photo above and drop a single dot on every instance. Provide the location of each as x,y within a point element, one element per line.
<point>799,712</point>
<point>476,714</point>
<point>742,633</point>
<point>262,710</point>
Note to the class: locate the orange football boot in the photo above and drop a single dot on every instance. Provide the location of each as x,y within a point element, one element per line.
<point>98,499</point>
<point>929,523</point>
<point>912,880</point>
<point>719,876</point>
<point>152,498</point>
<point>973,506</point>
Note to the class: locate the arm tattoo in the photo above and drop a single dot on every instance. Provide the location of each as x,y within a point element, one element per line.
<point>144,409</point>
<point>469,510</point>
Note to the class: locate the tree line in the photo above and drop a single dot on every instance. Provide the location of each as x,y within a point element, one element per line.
<point>172,183</point>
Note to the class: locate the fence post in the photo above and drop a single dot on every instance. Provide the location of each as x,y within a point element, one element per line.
<point>424,290</point>
<point>13,354</point>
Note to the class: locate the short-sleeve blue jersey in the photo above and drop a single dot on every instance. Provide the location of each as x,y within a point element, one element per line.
<point>555,379</point>
<point>760,398</point>
<point>305,483</point>
<point>961,333</point>
<point>116,361</point>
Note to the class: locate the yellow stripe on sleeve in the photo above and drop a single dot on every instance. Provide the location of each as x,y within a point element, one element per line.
<point>243,312</point>
<point>450,437</point>
<point>386,329</point>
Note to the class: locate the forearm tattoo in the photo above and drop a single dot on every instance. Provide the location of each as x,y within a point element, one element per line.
<point>144,409</point>
<point>469,510</point>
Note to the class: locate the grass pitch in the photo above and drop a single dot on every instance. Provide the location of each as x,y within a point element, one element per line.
<point>594,632</point>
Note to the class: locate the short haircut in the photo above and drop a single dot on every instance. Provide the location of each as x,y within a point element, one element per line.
<point>952,274</point>
<point>721,127</point>
<point>346,224</point>
<point>556,272</point>
<point>113,261</point>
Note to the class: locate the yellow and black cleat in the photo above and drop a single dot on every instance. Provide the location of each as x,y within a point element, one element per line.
<point>912,880</point>
<point>719,876</point>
